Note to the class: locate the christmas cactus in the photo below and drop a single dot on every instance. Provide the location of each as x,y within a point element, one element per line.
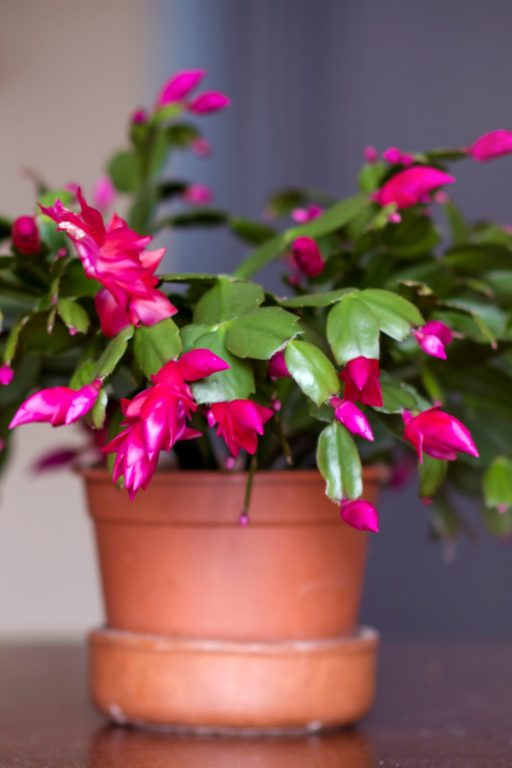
<point>390,342</point>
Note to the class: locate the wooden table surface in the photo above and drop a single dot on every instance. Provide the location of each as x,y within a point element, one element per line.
<point>438,705</point>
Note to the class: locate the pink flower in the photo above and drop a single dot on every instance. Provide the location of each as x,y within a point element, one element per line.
<point>491,145</point>
<point>308,213</point>
<point>57,405</point>
<point>239,423</point>
<point>361,377</point>
<point>433,337</point>
<point>103,193</point>
<point>208,102</point>
<point>395,156</point>
<point>307,256</point>
<point>6,375</point>
<point>201,147</point>
<point>438,435</point>
<point>411,186</point>
<point>179,86</point>
<point>157,417</point>
<point>277,368</point>
<point>115,256</point>
<point>25,235</point>
<point>351,417</point>
<point>360,514</point>
<point>370,154</point>
<point>197,194</point>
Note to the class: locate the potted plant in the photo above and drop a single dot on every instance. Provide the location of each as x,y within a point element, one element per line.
<point>245,432</point>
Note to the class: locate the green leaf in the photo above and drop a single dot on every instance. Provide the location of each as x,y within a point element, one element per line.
<point>123,169</point>
<point>432,474</point>
<point>312,371</point>
<point>187,277</point>
<point>199,217</point>
<point>73,315</point>
<point>478,259</point>
<point>334,218</point>
<point>395,315</point>
<point>11,344</point>
<point>235,383</point>
<point>252,232</point>
<point>338,461</point>
<point>415,236</point>
<point>83,375</point>
<point>396,395</point>
<point>316,299</point>
<point>497,483</point>
<point>352,330</point>
<point>182,135</point>
<point>155,345</point>
<point>261,333</point>
<point>113,353</point>
<point>498,523</point>
<point>99,410</point>
<point>227,299</point>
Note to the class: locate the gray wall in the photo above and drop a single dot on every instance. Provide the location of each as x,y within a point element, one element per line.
<point>312,82</point>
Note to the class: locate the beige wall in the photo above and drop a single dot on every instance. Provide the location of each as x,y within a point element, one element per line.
<point>70,74</point>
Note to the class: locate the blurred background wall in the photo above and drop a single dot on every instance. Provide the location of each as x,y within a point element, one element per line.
<point>312,82</point>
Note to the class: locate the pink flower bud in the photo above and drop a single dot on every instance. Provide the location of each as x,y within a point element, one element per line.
<point>179,86</point>
<point>491,145</point>
<point>139,117</point>
<point>208,102</point>
<point>6,374</point>
<point>25,235</point>
<point>201,147</point>
<point>361,377</point>
<point>277,368</point>
<point>411,186</point>
<point>360,514</point>
<point>351,417</point>
<point>433,337</point>
<point>438,434</point>
<point>308,213</point>
<point>103,193</point>
<point>197,194</point>
<point>370,154</point>
<point>307,256</point>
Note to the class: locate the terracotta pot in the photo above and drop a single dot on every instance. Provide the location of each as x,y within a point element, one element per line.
<point>214,624</point>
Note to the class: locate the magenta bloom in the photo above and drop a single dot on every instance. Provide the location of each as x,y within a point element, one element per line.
<point>411,186</point>
<point>308,213</point>
<point>277,368</point>
<point>433,337</point>
<point>351,417</point>
<point>438,435</point>
<point>360,514</point>
<point>25,235</point>
<point>491,145</point>
<point>307,256</point>
<point>239,423</point>
<point>157,417</point>
<point>57,405</point>
<point>361,377</point>
<point>6,375</point>
<point>395,156</point>
<point>197,194</point>
<point>179,86</point>
<point>103,193</point>
<point>116,256</point>
<point>208,102</point>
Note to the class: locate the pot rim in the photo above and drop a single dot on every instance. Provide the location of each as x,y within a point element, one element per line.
<point>377,473</point>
